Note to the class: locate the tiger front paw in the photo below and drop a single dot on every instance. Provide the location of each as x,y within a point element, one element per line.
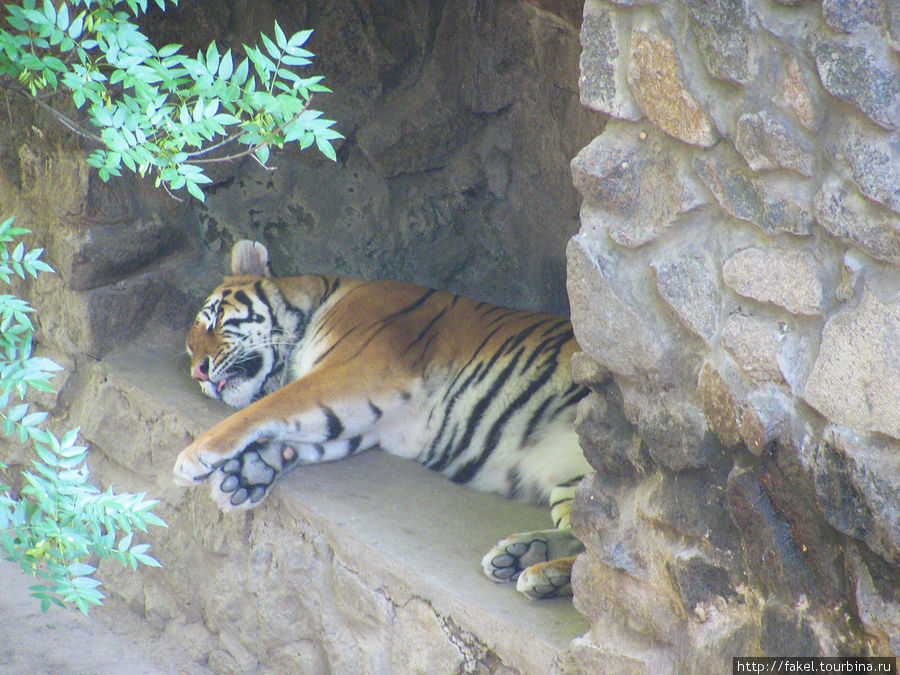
<point>239,481</point>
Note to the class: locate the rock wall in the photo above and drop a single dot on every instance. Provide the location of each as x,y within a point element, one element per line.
<point>736,292</point>
<point>460,119</point>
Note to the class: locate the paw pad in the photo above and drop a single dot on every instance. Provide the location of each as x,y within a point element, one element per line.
<point>249,475</point>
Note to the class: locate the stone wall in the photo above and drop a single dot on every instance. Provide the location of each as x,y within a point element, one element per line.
<point>460,120</point>
<point>736,292</point>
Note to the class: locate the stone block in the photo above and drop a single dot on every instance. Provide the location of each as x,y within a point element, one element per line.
<point>719,404</point>
<point>873,161</point>
<point>691,506</point>
<point>848,16</point>
<point>726,37</point>
<point>771,556</point>
<point>310,581</point>
<point>766,420</point>
<point>861,71</point>
<point>767,141</point>
<point>689,285</point>
<point>588,658</point>
<point>603,83</point>
<point>796,91</point>
<point>842,211</point>
<point>858,485</point>
<point>854,380</point>
<point>754,343</point>
<point>612,598</point>
<point>603,520</point>
<point>785,277</point>
<point>700,582</point>
<point>659,88</point>
<point>608,328</point>
<point>672,426</point>
<point>766,204</point>
<point>786,632</point>
<point>876,587</point>
<point>609,443</point>
<point>619,166</point>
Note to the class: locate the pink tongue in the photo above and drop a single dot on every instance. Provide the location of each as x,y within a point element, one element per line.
<point>221,385</point>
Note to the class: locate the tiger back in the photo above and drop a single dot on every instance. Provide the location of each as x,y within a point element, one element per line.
<point>324,367</point>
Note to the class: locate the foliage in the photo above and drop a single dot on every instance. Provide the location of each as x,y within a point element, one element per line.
<point>60,520</point>
<point>161,112</point>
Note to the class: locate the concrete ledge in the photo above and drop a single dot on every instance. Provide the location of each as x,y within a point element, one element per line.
<point>369,565</point>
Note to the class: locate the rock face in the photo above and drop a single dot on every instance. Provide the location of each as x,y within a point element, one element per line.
<point>460,120</point>
<point>746,307</point>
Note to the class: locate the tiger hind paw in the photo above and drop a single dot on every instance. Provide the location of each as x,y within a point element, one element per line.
<point>539,562</point>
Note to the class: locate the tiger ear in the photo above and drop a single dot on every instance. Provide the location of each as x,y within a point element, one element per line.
<point>250,258</point>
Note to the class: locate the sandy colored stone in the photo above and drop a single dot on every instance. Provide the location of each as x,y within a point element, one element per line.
<point>623,163</point>
<point>660,90</point>
<point>754,343</point>
<point>841,210</point>
<point>767,142</point>
<point>795,93</point>
<point>855,378</point>
<point>608,329</point>
<point>688,283</point>
<point>781,276</point>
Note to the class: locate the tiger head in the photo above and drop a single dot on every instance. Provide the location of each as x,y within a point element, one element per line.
<point>234,344</point>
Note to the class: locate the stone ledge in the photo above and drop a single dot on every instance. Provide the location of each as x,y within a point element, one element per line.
<point>366,565</point>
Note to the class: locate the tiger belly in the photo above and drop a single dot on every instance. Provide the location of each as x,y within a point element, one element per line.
<point>487,452</point>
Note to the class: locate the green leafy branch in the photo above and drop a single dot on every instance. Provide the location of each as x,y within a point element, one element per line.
<point>59,522</point>
<point>158,111</point>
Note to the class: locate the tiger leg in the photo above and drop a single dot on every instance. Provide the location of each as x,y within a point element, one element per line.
<point>541,561</point>
<point>318,418</point>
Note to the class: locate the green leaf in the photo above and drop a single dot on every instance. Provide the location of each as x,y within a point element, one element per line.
<point>280,38</point>
<point>273,50</point>
<point>226,67</point>
<point>212,58</point>
<point>195,190</point>
<point>326,148</point>
<point>50,11</point>
<point>76,27</point>
<point>62,17</point>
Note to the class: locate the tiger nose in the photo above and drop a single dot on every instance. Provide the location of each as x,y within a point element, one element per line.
<point>201,371</point>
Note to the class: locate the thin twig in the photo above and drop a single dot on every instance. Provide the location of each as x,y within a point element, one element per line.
<point>65,121</point>
<point>252,149</point>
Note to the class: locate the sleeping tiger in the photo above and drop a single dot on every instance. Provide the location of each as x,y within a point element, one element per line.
<point>324,367</point>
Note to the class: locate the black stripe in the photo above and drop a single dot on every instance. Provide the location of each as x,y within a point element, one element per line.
<point>424,331</point>
<point>477,413</point>
<point>375,410</point>
<point>335,427</point>
<point>353,444</point>
<point>468,471</point>
<point>535,419</point>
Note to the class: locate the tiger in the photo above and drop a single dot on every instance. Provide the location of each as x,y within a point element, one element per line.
<point>324,367</point>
